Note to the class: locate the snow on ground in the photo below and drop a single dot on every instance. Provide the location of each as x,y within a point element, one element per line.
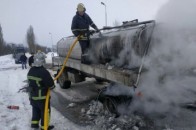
<point>11,78</point>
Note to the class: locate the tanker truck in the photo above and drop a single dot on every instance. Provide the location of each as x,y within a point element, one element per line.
<point>116,55</point>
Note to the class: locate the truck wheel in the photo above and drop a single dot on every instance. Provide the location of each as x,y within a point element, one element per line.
<point>63,81</point>
<point>111,105</point>
<point>66,84</point>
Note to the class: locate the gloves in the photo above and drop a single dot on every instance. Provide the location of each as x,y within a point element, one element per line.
<point>97,30</point>
<point>95,27</point>
<point>91,32</point>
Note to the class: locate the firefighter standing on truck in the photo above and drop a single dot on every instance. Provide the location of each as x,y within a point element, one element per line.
<point>40,81</point>
<point>80,26</point>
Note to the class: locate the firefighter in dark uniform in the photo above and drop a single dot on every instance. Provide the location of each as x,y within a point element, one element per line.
<point>80,25</point>
<point>40,81</point>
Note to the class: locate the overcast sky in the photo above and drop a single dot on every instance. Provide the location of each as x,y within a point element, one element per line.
<point>55,16</point>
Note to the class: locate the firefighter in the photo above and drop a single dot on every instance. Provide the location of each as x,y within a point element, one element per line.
<point>80,25</point>
<point>40,81</point>
<point>42,54</point>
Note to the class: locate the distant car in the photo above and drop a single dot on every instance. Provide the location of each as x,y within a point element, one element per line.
<point>18,51</point>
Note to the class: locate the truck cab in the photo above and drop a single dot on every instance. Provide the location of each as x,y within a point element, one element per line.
<point>18,51</point>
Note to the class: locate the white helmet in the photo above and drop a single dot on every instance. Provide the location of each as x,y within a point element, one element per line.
<point>39,59</point>
<point>81,7</point>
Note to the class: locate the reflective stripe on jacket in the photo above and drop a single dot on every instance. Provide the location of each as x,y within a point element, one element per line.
<point>39,89</point>
<point>40,81</point>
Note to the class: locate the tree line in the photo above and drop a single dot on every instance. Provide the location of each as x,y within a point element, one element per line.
<point>7,48</point>
<point>4,48</point>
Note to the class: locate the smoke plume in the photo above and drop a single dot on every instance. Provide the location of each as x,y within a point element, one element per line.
<point>170,79</point>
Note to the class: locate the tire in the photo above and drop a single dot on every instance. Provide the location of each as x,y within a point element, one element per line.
<point>66,84</point>
<point>63,81</point>
<point>111,106</point>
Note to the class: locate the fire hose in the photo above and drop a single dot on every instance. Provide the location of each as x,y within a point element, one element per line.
<point>46,121</point>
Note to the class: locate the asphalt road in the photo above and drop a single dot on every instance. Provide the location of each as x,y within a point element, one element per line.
<point>82,93</point>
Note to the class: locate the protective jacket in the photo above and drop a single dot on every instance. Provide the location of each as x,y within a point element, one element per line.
<point>81,24</point>
<point>40,81</point>
<point>23,58</point>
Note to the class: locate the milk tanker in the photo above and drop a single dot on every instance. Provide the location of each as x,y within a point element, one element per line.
<point>121,47</point>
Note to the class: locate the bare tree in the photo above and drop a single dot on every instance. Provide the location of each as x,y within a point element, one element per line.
<point>8,49</point>
<point>30,37</point>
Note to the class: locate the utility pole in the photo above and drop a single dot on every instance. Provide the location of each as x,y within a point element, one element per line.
<point>105,13</point>
<point>51,40</point>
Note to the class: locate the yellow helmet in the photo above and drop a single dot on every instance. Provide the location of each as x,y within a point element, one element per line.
<point>81,7</point>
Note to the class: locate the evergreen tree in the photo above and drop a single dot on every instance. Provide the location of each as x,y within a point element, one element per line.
<point>1,42</point>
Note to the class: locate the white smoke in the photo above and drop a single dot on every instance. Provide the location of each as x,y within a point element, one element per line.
<point>170,79</point>
<point>178,13</point>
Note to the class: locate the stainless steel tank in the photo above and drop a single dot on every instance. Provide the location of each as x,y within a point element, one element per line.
<point>120,46</point>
